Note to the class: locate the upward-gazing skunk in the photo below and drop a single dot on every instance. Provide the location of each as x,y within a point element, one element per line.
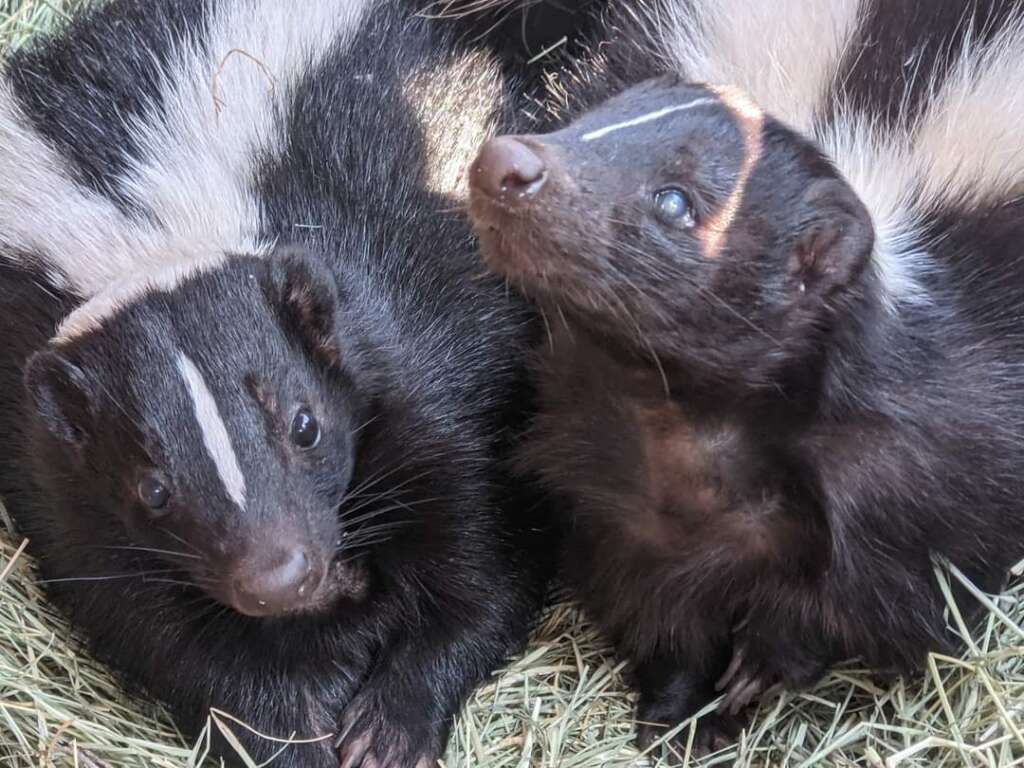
<point>786,367</point>
<point>267,391</point>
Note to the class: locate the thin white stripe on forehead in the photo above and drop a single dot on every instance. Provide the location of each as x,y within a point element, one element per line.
<point>649,117</point>
<point>215,432</point>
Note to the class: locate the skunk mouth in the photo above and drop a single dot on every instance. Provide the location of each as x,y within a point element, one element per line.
<point>513,245</point>
<point>539,269</point>
<point>509,256</point>
<point>347,579</point>
<point>488,213</point>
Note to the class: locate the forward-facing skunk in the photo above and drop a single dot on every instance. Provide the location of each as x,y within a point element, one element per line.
<point>785,368</point>
<point>267,388</point>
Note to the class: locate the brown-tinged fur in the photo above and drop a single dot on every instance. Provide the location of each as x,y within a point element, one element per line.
<point>683,384</point>
<point>667,494</point>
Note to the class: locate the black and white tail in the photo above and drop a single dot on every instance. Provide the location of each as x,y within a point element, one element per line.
<point>917,103</point>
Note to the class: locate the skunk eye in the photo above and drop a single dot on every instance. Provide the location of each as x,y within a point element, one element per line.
<point>305,431</point>
<point>153,493</point>
<point>674,207</point>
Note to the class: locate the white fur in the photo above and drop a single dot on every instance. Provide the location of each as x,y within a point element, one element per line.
<point>967,147</point>
<point>454,121</point>
<point>878,165</point>
<point>91,315</point>
<point>650,116</point>
<point>214,431</point>
<point>781,53</point>
<point>221,109</point>
<point>970,144</point>
<point>81,236</point>
<point>223,105</point>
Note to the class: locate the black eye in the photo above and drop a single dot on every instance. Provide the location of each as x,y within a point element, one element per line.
<point>305,432</point>
<point>674,207</point>
<point>153,493</point>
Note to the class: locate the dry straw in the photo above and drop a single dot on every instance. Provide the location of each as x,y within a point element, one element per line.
<point>562,704</point>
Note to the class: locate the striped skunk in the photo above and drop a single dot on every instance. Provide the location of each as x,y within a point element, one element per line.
<point>266,390</point>
<point>784,370</point>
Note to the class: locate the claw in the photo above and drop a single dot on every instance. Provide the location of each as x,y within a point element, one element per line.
<point>773,691</point>
<point>746,695</point>
<point>646,735</point>
<point>725,706</point>
<point>741,693</point>
<point>738,657</point>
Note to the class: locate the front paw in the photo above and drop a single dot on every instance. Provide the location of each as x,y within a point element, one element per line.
<point>714,731</point>
<point>747,679</point>
<point>374,735</point>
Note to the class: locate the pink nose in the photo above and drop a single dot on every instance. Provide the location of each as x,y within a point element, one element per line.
<point>507,169</point>
<point>274,585</point>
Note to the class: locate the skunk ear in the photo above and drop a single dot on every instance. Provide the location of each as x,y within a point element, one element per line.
<point>62,396</point>
<point>836,240</point>
<point>306,299</point>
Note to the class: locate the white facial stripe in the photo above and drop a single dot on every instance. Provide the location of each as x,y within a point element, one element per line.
<point>215,432</point>
<point>656,115</point>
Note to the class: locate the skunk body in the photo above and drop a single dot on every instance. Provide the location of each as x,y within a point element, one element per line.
<point>267,392</point>
<point>788,374</point>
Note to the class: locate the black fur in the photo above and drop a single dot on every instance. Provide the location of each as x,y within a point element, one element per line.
<point>376,317</point>
<point>30,308</point>
<point>902,49</point>
<point>82,101</point>
<point>523,30</point>
<point>762,456</point>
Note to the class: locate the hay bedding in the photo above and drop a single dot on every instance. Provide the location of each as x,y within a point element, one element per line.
<point>561,705</point>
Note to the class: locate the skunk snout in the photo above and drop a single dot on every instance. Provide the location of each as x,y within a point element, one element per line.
<point>283,581</point>
<point>508,170</point>
<point>519,197</point>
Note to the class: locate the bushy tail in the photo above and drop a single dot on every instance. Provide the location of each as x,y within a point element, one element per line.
<point>945,132</point>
